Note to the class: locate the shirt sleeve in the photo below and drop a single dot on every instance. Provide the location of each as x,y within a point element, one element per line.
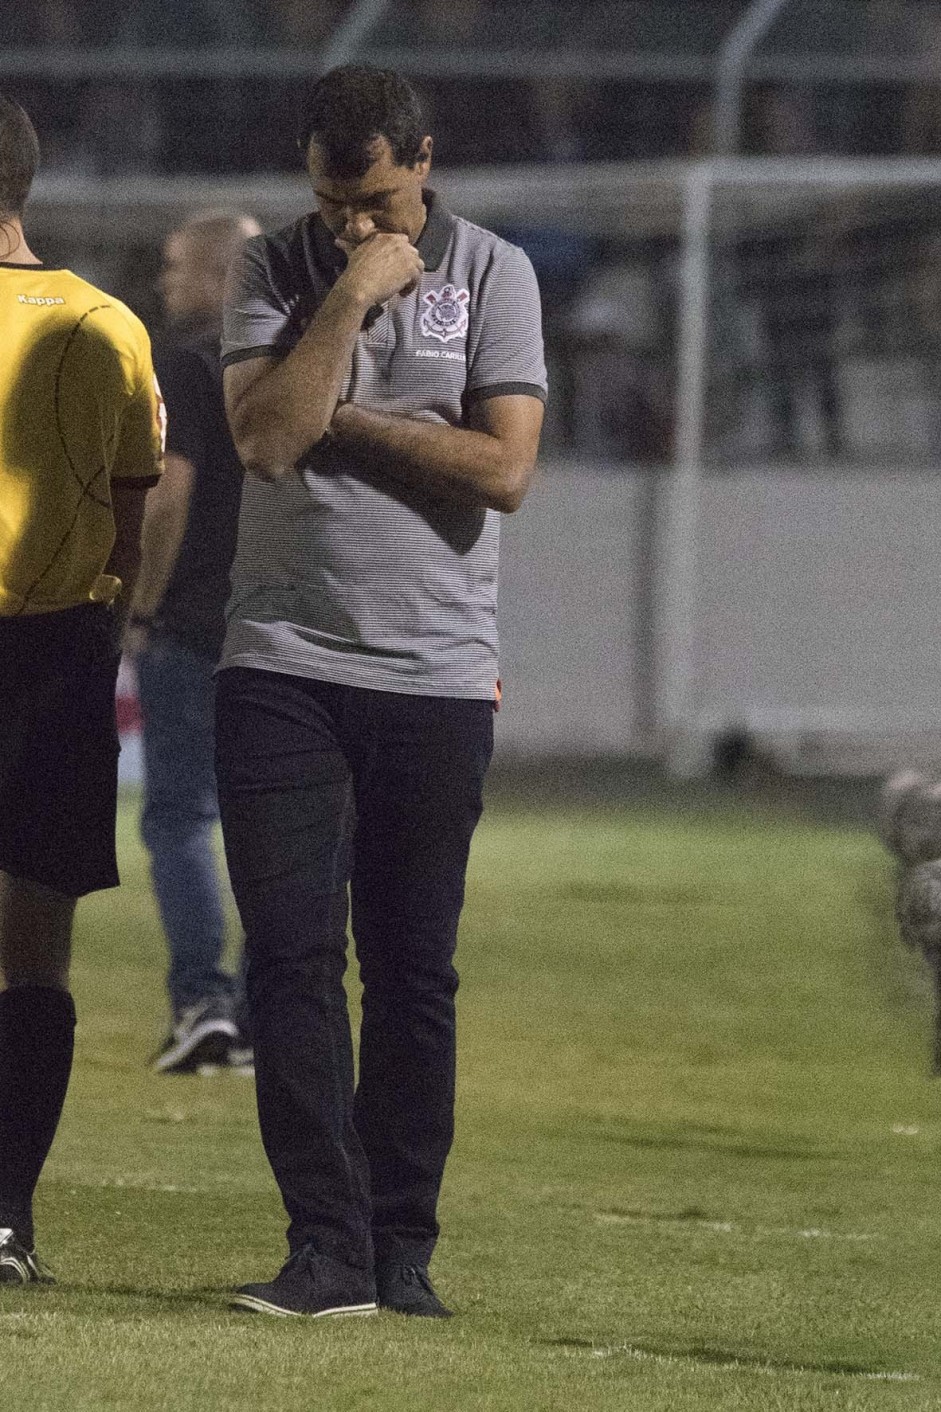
<point>143,426</point>
<point>256,320</point>
<point>505,350</point>
<point>191,400</point>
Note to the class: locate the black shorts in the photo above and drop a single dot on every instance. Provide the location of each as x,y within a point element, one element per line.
<point>59,748</point>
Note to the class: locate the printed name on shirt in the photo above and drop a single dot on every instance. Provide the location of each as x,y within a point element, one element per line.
<point>40,299</point>
<point>441,353</point>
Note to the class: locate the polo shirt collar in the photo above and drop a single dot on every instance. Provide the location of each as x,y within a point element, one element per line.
<point>439,225</point>
<point>432,243</point>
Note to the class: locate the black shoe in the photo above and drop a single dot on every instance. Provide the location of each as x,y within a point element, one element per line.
<point>19,1266</point>
<point>311,1284</point>
<point>406,1289</point>
<point>200,1039</point>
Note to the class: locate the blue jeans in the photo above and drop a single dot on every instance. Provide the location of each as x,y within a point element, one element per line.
<point>177,697</point>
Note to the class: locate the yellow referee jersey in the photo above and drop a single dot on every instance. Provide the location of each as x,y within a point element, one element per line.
<point>79,407</point>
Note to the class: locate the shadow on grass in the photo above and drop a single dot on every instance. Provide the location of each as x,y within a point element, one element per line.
<point>702,1142</point>
<point>202,1297</point>
<point>671,1218</point>
<point>712,1356</point>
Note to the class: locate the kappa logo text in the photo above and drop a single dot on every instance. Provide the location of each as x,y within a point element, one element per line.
<point>40,299</point>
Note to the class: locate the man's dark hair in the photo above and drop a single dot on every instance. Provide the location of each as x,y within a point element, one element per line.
<point>19,157</point>
<point>350,107</point>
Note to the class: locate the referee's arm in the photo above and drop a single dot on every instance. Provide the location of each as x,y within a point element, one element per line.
<point>165,514</point>
<point>136,467</point>
<point>127,503</point>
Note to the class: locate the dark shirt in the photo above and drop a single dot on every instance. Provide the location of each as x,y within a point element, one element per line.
<point>190,377</point>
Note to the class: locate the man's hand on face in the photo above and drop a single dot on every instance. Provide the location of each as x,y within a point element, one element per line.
<point>380,266</point>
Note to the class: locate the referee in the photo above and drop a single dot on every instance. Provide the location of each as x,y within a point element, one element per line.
<point>80,442</point>
<point>384,381</point>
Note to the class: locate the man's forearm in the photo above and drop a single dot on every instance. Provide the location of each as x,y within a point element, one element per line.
<point>287,410</point>
<point>161,537</point>
<point>457,463</point>
<point>124,560</point>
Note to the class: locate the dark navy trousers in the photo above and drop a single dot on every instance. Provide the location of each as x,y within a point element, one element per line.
<point>334,800</point>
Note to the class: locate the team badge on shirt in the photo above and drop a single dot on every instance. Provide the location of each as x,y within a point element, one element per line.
<point>445,316</point>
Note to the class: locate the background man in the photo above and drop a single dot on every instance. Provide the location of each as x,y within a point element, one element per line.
<point>175,634</point>
<point>385,382</point>
<point>80,441</point>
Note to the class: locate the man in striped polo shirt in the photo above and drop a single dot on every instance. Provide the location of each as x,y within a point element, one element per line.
<point>385,382</point>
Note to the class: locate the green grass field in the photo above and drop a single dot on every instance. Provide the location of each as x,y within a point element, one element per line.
<point>697,1162</point>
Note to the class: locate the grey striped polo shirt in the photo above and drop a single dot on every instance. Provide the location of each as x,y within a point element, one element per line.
<point>341,574</point>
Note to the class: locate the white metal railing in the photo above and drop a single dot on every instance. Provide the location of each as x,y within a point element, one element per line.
<point>734,60</point>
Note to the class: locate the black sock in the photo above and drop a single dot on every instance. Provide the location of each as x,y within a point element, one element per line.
<point>37,1027</point>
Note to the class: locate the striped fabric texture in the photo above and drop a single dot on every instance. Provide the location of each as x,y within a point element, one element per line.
<point>340,574</point>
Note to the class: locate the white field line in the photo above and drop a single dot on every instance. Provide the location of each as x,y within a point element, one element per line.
<point>211,1187</point>
<point>613,1218</point>
<point>31,1316</point>
<point>674,1360</point>
<point>130,1184</point>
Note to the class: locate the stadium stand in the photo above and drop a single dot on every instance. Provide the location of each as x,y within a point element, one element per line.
<point>823,313</point>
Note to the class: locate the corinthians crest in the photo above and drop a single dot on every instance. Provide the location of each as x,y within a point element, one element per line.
<point>445,315</point>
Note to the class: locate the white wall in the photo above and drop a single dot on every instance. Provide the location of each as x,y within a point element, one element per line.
<point>574,614</point>
<point>819,619</point>
<point>820,608</point>
<point>823,591</point>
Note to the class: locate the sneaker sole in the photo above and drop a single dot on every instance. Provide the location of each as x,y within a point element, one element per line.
<point>261,1306</point>
<point>413,1313</point>
<point>208,1043</point>
<point>11,1273</point>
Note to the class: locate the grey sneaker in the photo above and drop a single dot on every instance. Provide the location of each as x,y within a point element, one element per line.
<point>242,1060</point>
<point>242,1053</point>
<point>201,1038</point>
<point>407,1289</point>
<point>19,1266</point>
<point>310,1284</point>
